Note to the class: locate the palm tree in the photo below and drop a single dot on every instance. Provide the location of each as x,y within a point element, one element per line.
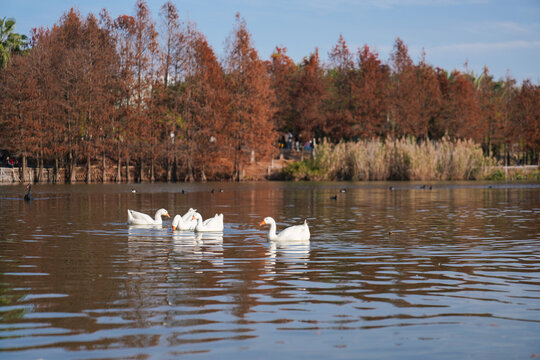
<point>10,42</point>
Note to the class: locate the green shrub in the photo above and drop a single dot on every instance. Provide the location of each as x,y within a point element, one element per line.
<point>301,170</point>
<point>497,175</point>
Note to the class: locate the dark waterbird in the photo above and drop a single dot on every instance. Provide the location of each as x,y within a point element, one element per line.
<point>28,196</point>
<point>333,197</point>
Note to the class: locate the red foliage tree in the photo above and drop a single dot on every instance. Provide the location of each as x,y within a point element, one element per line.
<point>341,107</point>
<point>250,126</point>
<point>460,111</point>
<point>493,109</point>
<point>282,71</point>
<point>204,110</point>
<point>525,125</point>
<point>370,94</point>
<point>309,97</point>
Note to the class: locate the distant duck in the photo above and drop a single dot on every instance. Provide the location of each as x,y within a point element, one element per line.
<point>220,190</point>
<point>27,196</point>
<point>391,188</point>
<point>133,190</point>
<point>183,192</point>
<point>333,197</point>
<point>343,190</point>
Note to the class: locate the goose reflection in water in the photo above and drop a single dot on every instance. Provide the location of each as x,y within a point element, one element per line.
<point>201,246</point>
<point>293,255</point>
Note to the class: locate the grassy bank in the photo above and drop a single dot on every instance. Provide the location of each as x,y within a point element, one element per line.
<point>403,159</point>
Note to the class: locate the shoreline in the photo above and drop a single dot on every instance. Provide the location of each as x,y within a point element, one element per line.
<point>261,171</point>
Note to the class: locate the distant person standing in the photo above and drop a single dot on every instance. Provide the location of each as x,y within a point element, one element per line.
<point>289,138</point>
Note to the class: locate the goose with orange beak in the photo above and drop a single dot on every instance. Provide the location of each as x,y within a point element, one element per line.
<point>296,233</point>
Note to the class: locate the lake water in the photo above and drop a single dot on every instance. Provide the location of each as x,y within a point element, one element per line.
<point>451,272</point>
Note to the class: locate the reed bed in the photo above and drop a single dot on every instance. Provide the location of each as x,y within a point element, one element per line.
<point>394,159</point>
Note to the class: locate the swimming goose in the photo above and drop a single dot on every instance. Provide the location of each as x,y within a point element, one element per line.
<point>137,218</point>
<point>292,233</point>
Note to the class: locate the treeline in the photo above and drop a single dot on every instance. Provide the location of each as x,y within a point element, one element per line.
<point>103,90</point>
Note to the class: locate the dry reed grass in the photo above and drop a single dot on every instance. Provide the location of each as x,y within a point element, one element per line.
<point>399,159</point>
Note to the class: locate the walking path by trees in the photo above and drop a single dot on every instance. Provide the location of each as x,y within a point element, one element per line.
<point>130,92</point>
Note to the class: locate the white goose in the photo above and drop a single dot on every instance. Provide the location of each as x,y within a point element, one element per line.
<point>211,224</point>
<point>299,233</point>
<point>137,218</point>
<point>185,222</point>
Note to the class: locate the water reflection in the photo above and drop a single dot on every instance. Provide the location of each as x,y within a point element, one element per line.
<point>407,273</point>
<point>199,245</point>
<point>293,256</point>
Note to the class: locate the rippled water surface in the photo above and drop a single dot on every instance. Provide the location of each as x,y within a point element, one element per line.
<point>451,272</point>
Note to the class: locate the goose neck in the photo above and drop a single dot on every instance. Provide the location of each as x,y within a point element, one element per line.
<point>272,232</point>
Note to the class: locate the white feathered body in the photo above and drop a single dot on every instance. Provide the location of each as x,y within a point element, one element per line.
<point>185,222</point>
<point>212,224</point>
<point>138,218</point>
<point>299,233</point>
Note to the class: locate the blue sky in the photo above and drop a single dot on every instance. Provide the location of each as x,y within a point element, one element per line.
<point>503,35</point>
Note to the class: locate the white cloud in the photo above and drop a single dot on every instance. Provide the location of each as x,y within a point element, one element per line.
<point>506,27</point>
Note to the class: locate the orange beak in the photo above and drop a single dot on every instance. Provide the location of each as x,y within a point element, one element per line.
<point>173,228</point>
<point>167,215</point>
<point>262,223</point>
<point>193,218</point>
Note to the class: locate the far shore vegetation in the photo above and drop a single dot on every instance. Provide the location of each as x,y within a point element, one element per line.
<point>403,159</point>
<point>107,99</point>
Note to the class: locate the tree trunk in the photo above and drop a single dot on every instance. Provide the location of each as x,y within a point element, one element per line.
<point>119,170</point>
<point>169,169</point>
<point>152,175</point>
<point>23,175</point>
<point>203,176</point>
<point>72,170</point>
<point>141,170</point>
<point>189,176</point>
<point>40,169</point>
<point>176,170</point>
<point>128,179</point>
<point>103,168</point>
<point>88,170</point>
<point>236,175</point>
<point>56,174</point>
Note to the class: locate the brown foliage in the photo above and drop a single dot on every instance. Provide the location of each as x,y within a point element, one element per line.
<point>309,96</point>
<point>282,71</point>
<point>249,128</point>
<point>370,93</point>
